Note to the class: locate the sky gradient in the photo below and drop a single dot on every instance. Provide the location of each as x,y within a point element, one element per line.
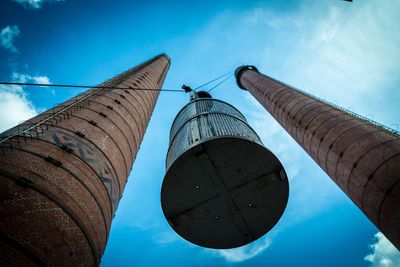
<point>344,52</point>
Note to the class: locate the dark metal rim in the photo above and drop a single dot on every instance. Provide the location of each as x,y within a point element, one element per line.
<point>212,138</point>
<point>239,72</point>
<point>283,177</point>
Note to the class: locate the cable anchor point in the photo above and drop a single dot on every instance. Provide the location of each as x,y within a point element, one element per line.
<point>186,88</point>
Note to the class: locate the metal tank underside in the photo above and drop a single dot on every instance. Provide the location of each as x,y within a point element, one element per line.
<point>223,188</point>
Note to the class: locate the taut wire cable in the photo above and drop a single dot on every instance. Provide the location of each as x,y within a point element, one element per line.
<point>207,83</point>
<point>89,86</point>
<point>218,84</point>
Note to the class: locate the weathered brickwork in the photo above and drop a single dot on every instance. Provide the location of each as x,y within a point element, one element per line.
<point>363,159</point>
<point>60,183</point>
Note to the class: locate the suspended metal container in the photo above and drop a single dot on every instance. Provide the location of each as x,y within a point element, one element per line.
<point>222,188</point>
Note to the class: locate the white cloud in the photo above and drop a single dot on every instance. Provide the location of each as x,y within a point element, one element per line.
<point>41,79</point>
<point>245,252</point>
<point>15,107</point>
<point>335,52</point>
<point>166,237</point>
<point>35,4</point>
<point>23,78</point>
<point>384,254</point>
<point>344,54</point>
<point>275,138</point>
<point>347,55</point>
<point>7,37</point>
<point>324,51</point>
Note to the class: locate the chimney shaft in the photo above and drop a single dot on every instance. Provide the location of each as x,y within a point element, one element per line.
<point>63,172</point>
<point>362,158</point>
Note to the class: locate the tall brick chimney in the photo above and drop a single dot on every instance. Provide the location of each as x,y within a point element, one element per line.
<point>362,157</point>
<point>63,172</point>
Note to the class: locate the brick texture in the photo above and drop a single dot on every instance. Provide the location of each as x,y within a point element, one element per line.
<point>60,183</point>
<point>363,159</point>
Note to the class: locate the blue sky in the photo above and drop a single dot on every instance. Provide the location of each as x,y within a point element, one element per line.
<point>344,52</point>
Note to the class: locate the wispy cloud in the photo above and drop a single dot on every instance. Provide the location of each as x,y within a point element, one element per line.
<point>275,138</point>
<point>7,38</point>
<point>339,53</point>
<point>384,254</point>
<point>291,47</point>
<point>299,48</point>
<point>14,106</point>
<point>166,238</point>
<point>20,77</point>
<point>345,55</point>
<point>35,4</point>
<point>41,79</point>
<point>245,252</point>
<point>14,103</point>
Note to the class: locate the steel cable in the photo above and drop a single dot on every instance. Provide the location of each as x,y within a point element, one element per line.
<point>88,86</point>
<point>207,83</point>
